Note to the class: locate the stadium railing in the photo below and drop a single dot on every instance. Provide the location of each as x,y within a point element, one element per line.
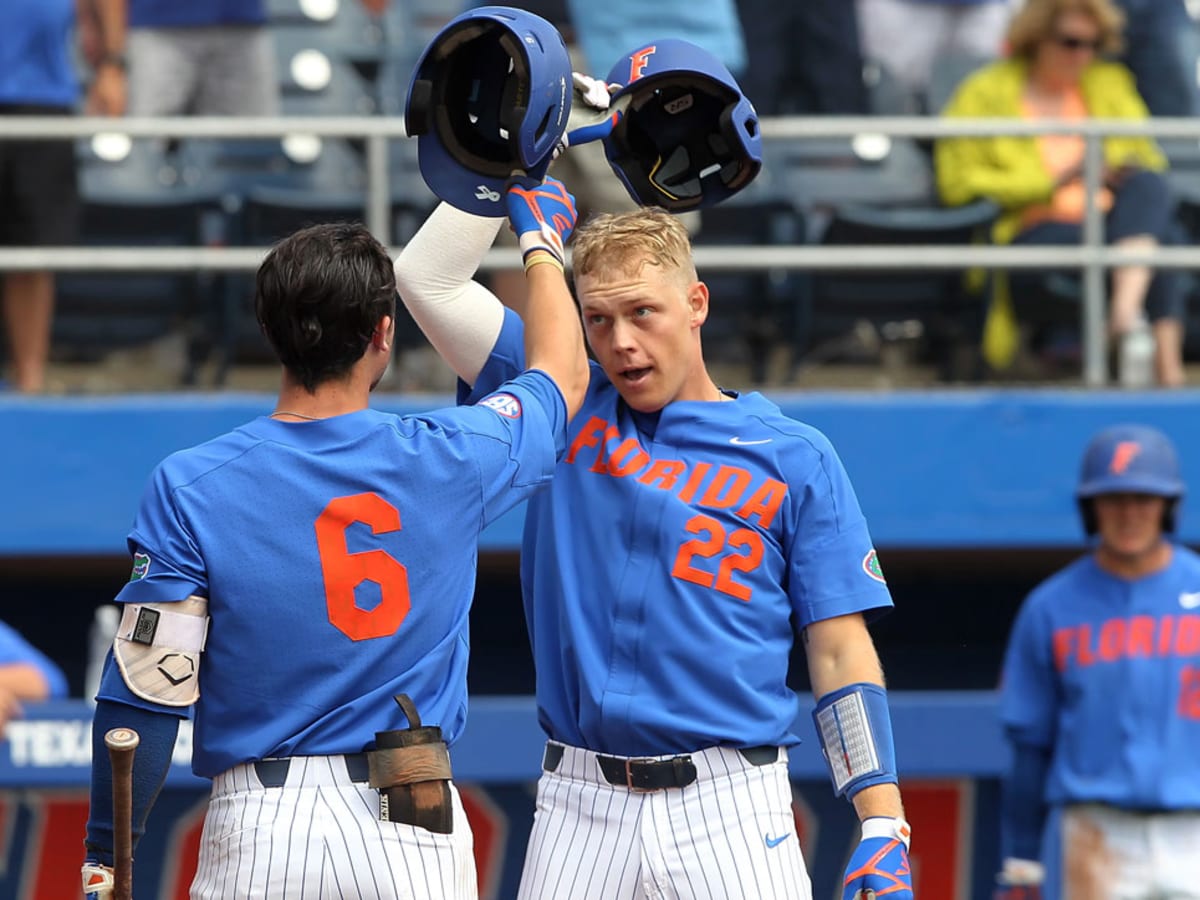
<point>1091,257</point>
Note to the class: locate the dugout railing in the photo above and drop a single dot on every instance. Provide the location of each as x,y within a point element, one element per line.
<point>1091,257</point>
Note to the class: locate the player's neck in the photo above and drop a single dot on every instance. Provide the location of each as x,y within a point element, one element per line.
<point>331,398</point>
<point>1134,565</point>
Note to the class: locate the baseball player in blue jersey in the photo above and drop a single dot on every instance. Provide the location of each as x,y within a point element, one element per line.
<point>294,576</point>
<point>688,532</point>
<point>1101,693</point>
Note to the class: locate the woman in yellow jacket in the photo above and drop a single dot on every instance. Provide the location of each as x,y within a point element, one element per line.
<point>1053,73</point>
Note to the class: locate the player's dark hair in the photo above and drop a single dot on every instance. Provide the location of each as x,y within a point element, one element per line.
<point>319,295</point>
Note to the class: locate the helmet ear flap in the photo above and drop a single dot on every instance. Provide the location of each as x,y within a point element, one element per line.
<point>1087,512</point>
<point>1170,510</point>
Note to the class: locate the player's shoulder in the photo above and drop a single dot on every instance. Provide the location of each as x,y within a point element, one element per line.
<point>1186,559</point>
<point>792,435</point>
<point>1067,583</point>
<point>192,463</point>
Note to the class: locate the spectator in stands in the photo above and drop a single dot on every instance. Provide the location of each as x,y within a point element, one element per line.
<point>204,57</point>
<point>26,674</point>
<point>932,29</point>
<point>39,198</point>
<point>807,58</point>
<point>1054,73</point>
<point>597,36</point>
<point>1162,48</point>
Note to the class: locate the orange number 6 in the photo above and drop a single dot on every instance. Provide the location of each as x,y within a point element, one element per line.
<point>343,571</point>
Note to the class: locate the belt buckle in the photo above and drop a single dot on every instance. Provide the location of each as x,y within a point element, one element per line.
<point>629,775</point>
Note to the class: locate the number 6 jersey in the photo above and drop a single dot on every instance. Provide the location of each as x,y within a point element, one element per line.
<point>667,566</point>
<point>338,558</point>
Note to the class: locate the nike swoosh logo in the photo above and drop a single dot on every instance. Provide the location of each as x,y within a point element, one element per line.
<point>741,443</point>
<point>775,842</point>
<point>1189,600</point>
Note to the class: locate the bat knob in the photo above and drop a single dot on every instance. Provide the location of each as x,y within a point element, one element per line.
<point>121,739</point>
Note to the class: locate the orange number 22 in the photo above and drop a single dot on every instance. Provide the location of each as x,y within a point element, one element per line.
<point>714,542</point>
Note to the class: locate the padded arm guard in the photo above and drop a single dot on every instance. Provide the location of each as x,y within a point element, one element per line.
<point>855,729</point>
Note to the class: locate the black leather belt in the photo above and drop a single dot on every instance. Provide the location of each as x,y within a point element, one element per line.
<point>273,772</point>
<point>653,774</point>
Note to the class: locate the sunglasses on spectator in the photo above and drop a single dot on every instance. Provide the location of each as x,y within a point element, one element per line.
<point>1071,42</point>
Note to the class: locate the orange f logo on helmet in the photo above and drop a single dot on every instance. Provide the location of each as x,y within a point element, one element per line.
<point>1123,455</point>
<point>639,61</point>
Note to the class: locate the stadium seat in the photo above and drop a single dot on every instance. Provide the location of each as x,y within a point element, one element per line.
<point>343,29</point>
<point>314,82</point>
<point>752,312</point>
<point>948,72</point>
<point>137,199</point>
<point>931,309</point>
<point>818,174</point>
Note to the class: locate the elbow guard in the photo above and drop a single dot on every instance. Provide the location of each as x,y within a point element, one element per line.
<point>158,647</point>
<point>855,729</point>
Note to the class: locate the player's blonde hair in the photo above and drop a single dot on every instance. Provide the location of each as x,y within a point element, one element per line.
<point>624,242</point>
<point>1034,23</point>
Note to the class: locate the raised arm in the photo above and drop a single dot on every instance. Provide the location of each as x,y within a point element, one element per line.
<point>459,316</point>
<point>543,216</point>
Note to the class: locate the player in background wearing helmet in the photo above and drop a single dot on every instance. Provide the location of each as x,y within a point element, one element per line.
<point>685,531</point>
<point>1100,696</point>
<point>275,533</point>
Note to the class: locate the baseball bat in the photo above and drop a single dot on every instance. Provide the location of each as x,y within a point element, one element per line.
<point>121,743</point>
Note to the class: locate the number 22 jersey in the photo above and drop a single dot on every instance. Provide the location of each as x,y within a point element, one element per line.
<point>667,567</point>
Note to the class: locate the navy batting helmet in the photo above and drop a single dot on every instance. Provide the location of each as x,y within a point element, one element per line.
<point>689,138</point>
<point>490,97</point>
<point>1129,459</point>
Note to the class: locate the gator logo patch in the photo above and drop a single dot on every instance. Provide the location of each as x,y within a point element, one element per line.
<point>505,404</point>
<point>871,566</point>
<point>141,566</point>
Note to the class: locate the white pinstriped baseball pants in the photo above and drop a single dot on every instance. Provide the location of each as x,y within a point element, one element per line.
<point>730,835</point>
<point>318,837</point>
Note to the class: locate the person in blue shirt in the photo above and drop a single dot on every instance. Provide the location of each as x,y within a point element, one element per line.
<point>292,577</point>
<point>1100,694</point>
<point>689,534</point>
<point>39,194</point>
<point>26,675</point>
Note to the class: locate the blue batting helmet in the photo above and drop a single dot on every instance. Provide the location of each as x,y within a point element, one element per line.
<point>489,97</point>
<point>689,138</point>
<point>1129,459</point>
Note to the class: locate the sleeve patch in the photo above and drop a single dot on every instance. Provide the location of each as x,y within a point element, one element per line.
<point>506,405</point>
<point>141,566</point>
<point>871,567</point>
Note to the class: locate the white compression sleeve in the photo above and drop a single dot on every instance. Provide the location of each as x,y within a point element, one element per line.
<point>460,317</point>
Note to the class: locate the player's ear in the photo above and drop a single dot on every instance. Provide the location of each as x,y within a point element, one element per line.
<point>385,329</point>
<point>697,301</point>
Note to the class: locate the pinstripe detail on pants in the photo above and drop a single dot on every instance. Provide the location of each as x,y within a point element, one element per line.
<point>318,837</point>
<point>592,840</point>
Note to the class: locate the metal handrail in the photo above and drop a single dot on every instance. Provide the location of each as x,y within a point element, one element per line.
<point>1092,257</point>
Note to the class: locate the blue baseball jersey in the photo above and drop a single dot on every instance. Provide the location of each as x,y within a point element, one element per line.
<point>15,650</point>
<point>667,566</point>
<point>35,53</point>
<point>339,559</point>
<point>1106,672</point>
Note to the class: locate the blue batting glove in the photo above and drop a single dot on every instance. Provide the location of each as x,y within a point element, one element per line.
<point>879,866</point>
<point>542,214</point>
